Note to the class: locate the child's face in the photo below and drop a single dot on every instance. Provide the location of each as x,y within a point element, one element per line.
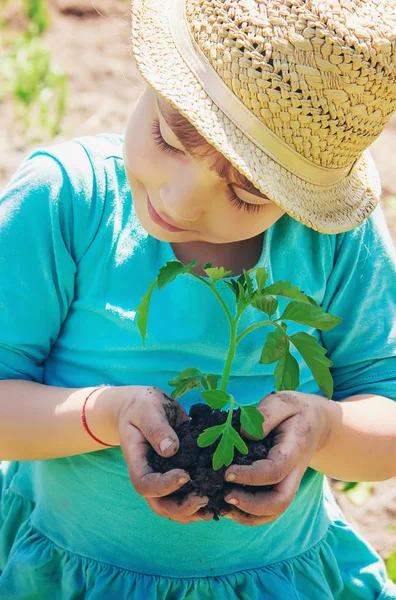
<point>184,190</point>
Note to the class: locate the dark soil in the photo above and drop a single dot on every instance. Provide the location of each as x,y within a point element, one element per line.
<point>198,461</point>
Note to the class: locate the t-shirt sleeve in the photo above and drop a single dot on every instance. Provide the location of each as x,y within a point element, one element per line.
<point>38,263</point>
<point>361,289</point>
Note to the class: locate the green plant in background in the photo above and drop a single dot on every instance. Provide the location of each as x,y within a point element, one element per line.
<point>253,293</point>
<point>36,85</point>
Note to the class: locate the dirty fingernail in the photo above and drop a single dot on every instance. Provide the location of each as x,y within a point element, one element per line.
<point>232,501</point>
<point>231,477</point>
<point>165,444</point>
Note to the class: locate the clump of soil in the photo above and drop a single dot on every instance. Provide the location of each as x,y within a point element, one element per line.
<point>198,461</point>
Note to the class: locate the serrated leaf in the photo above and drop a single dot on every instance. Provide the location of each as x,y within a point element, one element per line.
<point>210,381</point>
<point>252,421</point>
<point>308,314</point>
<point>209,436</point>
<point>142,311</point>
<point>249,282</point>
<point>314,355</point>
<point>171,270</point>
<point>287,373</point>
<point>269,306</point>
<point>216,398</point>
<point>216,273</point>
<point>237,441</point>
<point>232,287</point>
<point>285,289</point>
<point>186,374</point>
<point>275,347</point>
<point>208,265</point>
<point>261,278</point>
<point>185,386</point>
<point>224,452</point>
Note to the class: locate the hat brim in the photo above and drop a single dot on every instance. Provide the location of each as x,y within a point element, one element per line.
<point>332,209</point>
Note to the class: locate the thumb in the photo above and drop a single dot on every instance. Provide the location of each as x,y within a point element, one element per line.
<point>279,406</point>
<point>156,417</point>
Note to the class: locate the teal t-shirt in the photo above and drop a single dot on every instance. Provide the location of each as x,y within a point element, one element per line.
<point>74,264</point>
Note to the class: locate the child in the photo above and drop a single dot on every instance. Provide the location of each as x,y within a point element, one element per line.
<point>247,148</point>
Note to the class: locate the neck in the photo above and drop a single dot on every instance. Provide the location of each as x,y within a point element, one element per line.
<point>235,256</point>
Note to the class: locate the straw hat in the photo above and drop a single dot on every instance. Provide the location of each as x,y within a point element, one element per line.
<point>291,92</point>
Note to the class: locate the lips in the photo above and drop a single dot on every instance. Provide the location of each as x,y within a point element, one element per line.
<point>159,220</point>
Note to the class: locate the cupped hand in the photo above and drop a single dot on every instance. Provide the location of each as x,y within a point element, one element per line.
<point>301,424</point>
<point>147,415</point>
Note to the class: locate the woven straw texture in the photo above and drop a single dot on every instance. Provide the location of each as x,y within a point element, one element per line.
<point>319,74</point>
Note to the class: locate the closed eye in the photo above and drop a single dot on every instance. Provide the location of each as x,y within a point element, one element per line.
<point>234,199</point>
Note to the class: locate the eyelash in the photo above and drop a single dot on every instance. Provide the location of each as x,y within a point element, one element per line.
<point>234,199</point>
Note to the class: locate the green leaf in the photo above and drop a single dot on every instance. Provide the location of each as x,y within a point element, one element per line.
<point>171,270</point>
<point>313,354</point>
<point>216,273</point>
<point>269,306</point>
<point>283,288</point>
<point>311,315</point>
<point>210,381</point>
<point>185,386</point>
<point>208,265</point>
<point>237,441</point>
<point>142,311</point>
<point>287,373</point>
<point>390,563</point>
<point>186,374</point>
<point>392,528</point>
<point>275,347</point>
<point>249,282</point>
<point>216,398</point>
<point>224,451</point>
<point>209,436</point>
<point>261,278</point>
<point>252,421</point>
<point>233,287</point>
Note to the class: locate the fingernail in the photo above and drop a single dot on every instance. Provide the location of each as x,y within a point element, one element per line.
<point>231,477</point>
<point>228,516</point>
<point>182,480</point>
<point>165,444</point>
<point>232,501</point>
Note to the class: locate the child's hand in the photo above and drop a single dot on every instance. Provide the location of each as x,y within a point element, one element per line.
<point>148,415</point>
<point>302,423</point>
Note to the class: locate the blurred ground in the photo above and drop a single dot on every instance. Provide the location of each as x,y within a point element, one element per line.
<point>90,41</point>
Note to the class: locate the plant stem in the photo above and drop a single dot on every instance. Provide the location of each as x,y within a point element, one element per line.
<point>216,293</point>
<point>230,357</point>
<point>256,326</point>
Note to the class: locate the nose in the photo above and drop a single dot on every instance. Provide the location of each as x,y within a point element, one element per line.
<point>183,201</point>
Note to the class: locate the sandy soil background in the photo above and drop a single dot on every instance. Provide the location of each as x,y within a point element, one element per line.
<point>90,42</point>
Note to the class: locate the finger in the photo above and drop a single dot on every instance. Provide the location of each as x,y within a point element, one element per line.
<point>279,406</point>
<point>245,519</point>
<point>183,507</point>
<point>267,503</point>
<point>157,425</point>
<point>280,460</point>
<point>171,510</point>
<point>147,483</point>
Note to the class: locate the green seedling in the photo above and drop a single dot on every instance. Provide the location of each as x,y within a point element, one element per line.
<point>250,290</point>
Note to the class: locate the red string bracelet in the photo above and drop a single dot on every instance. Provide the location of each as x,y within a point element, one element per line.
<point>84,420</point>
